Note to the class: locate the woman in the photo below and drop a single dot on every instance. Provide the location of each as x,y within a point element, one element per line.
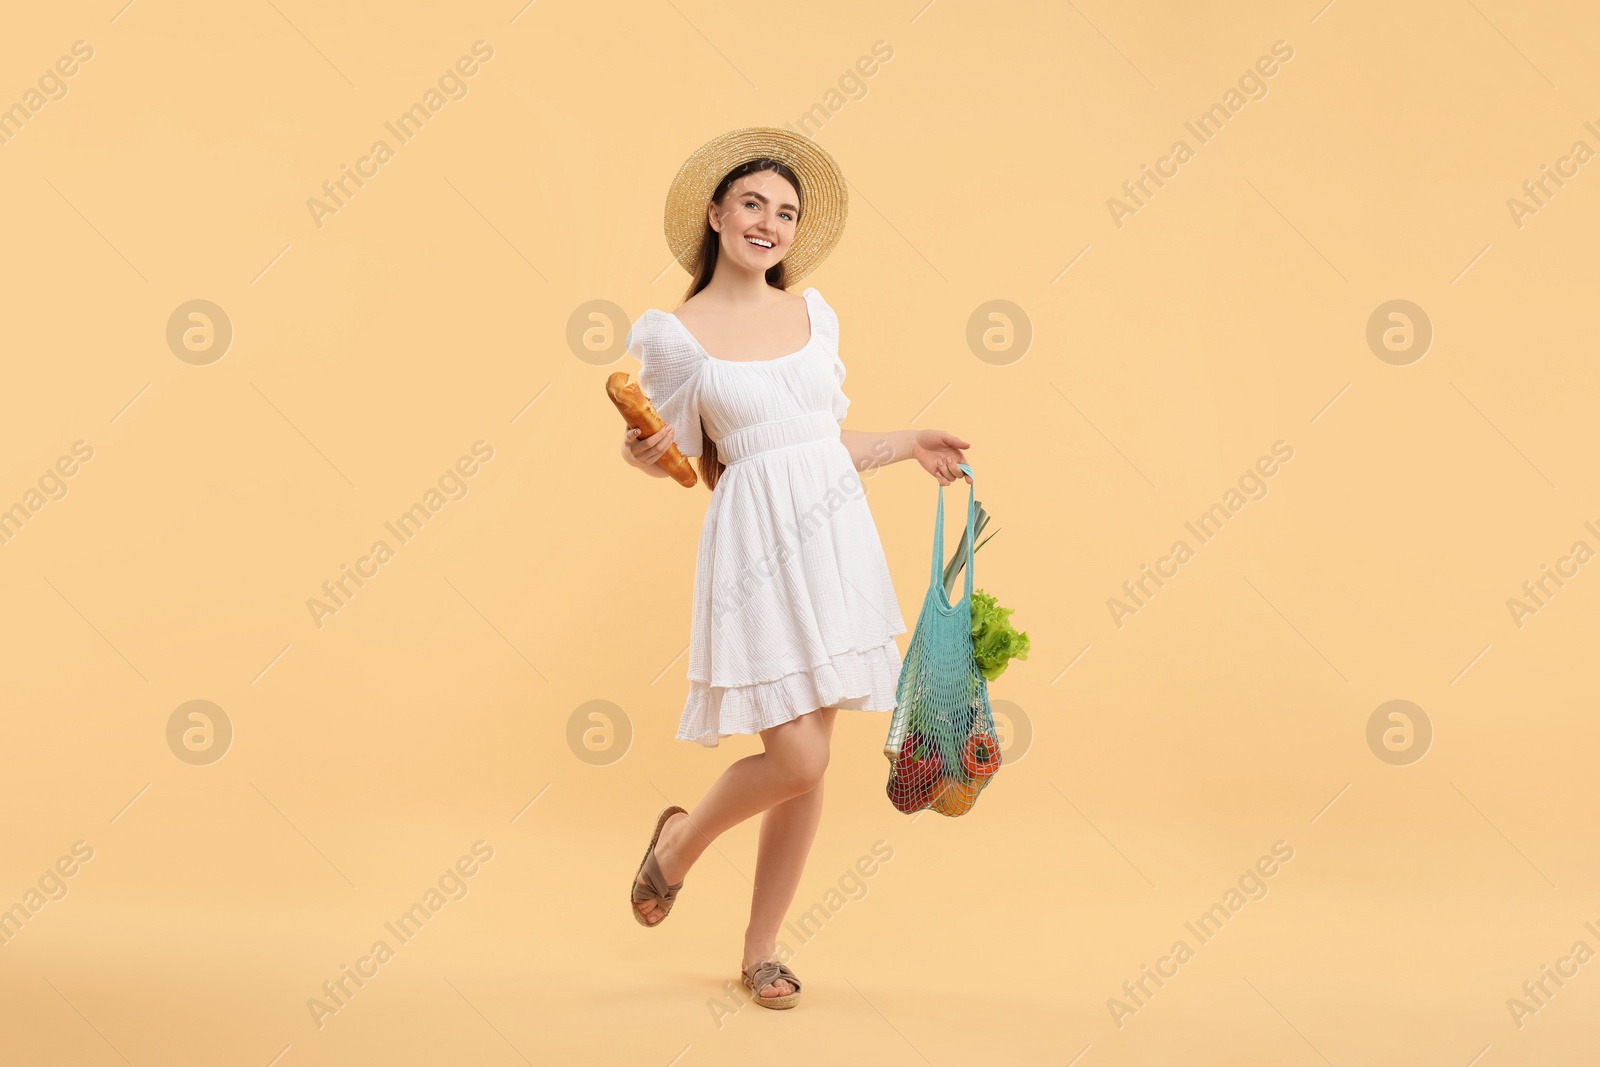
<point>794,613</point>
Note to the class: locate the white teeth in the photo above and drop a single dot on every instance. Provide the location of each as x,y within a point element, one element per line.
<point>758,242</point>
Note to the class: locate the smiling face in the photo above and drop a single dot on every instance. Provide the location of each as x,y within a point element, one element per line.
<point>755,220</point>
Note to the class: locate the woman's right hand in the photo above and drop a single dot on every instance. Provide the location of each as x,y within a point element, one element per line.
<point>647,451</point>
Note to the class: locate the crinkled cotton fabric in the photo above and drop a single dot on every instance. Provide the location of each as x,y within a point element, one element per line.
<point>793,606</point>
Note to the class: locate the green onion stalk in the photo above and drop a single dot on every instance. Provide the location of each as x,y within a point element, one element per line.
<point>995,642</point>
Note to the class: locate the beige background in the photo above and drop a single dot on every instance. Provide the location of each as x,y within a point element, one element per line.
<point>437,308</point>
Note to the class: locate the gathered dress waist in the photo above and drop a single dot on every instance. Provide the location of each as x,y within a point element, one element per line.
<point>753,440</point>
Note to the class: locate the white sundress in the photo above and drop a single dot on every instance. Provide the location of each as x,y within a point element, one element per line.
<point>794,609</point>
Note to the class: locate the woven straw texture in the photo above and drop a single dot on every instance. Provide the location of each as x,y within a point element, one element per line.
<point>824,198</point>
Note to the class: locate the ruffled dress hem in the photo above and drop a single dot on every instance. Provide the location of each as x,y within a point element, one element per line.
<point>858,680</point>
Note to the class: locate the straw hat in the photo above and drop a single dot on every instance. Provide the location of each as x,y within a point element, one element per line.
<point>823,197</point>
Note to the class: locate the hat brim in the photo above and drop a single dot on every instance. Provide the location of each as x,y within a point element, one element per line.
<point>824,197</point>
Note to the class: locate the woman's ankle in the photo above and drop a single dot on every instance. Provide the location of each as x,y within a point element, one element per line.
<point>677,846</point>
<point>760,948</point>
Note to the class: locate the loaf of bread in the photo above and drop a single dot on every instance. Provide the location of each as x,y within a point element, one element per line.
<point>638,412</point>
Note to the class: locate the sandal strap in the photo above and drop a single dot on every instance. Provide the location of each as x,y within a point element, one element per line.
<point>651,883</point>
<point>766,973</point>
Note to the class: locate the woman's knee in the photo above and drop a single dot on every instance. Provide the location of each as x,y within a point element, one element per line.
<point>800,757</point>
<point>804,769</point>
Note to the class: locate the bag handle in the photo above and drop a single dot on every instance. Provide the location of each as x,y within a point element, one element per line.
<point>938,535</point>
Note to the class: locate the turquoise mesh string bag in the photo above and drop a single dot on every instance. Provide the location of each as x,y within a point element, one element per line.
<point>942,746</point>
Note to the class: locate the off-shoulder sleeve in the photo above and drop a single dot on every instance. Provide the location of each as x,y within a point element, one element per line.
<point>828,324</point>
<point>667,375</point>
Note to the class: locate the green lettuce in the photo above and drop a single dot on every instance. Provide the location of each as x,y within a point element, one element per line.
<point>995,643</point>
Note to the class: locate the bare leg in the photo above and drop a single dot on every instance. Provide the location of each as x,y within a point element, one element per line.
<point>795,758</point>
<point>787,830</point>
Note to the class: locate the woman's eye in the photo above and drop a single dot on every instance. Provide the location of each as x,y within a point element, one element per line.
<point>757,206</point>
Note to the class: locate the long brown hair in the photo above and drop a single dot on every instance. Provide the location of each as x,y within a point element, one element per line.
<point>706,265</point>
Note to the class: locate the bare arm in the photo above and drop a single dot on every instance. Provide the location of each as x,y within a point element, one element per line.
<point>873,448</point>
<point>938,451</point>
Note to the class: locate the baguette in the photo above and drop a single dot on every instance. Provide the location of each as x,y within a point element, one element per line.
<point>639,413</point>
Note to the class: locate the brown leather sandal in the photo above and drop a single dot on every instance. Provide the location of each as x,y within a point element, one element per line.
<point>766,973</point>
<point>649,883</point>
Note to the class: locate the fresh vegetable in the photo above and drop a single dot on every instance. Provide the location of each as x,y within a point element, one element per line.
<point>994,641</point>
<point>952,570</point>
<point>915,772</point>
<point>953,797</point>
<point>919,763</point>
<point>980,755</point>
<point>908,798</point>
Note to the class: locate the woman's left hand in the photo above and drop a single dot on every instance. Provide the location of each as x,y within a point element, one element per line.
<point>939,451</point>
